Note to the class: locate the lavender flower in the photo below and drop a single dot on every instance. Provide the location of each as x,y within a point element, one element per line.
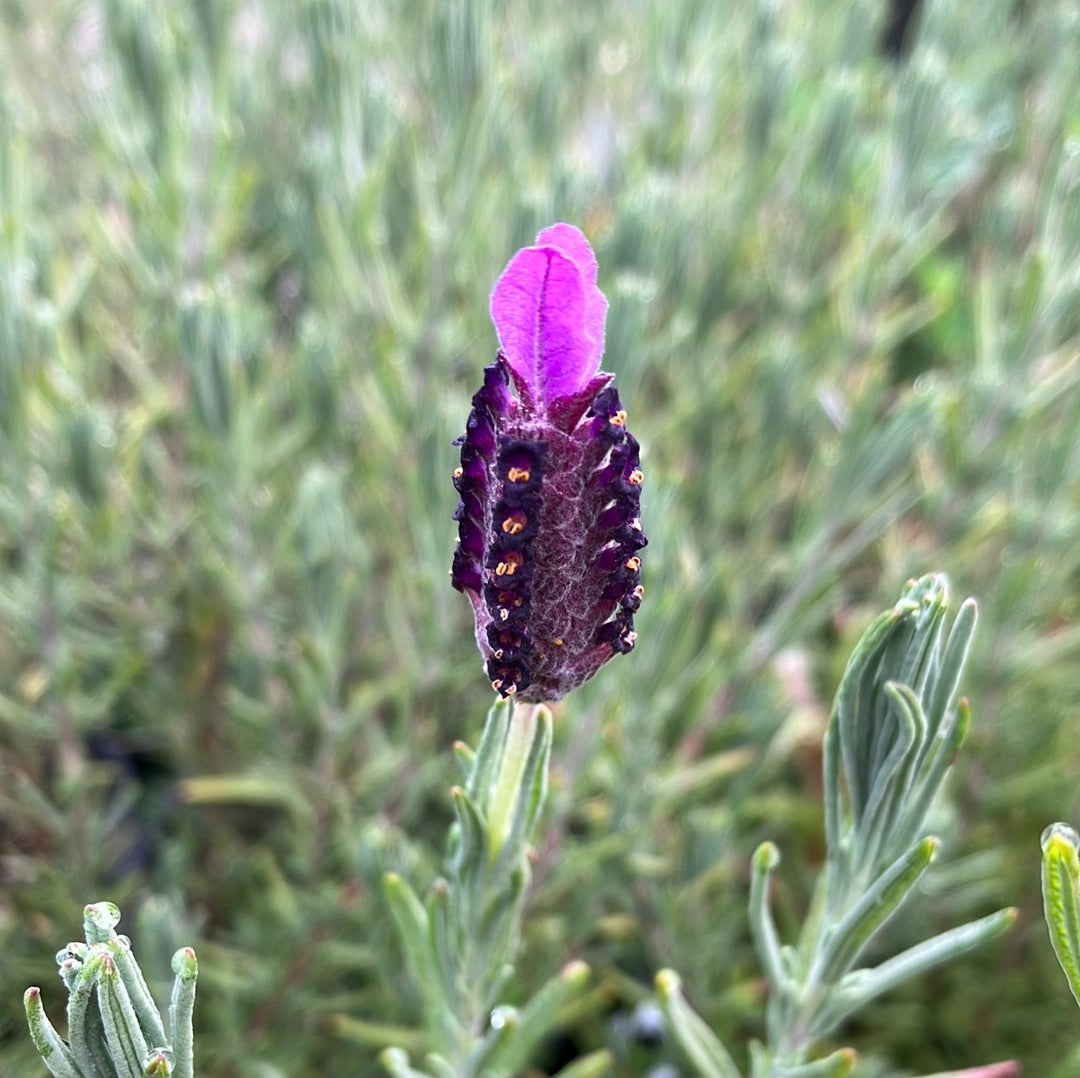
<point>550,482</point>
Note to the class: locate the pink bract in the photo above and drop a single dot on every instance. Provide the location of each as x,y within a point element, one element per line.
<point>549,316</point>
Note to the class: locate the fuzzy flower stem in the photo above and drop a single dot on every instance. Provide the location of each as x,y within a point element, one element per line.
<point>519,741</point>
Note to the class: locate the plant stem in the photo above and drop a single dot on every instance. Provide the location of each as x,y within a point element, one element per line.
<point>519,740</point>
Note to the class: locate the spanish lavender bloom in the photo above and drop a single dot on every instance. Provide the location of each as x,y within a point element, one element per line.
<point>550,482</point>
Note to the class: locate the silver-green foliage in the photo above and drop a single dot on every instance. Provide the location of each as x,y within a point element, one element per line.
<point>894,730</point>
<point>114,1028</point>
<point>460,944</point>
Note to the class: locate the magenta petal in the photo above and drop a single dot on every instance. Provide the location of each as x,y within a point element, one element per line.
<point>571,242</point>
<point>549,315</point>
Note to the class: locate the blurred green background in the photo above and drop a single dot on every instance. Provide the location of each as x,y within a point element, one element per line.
<point>245,255</point>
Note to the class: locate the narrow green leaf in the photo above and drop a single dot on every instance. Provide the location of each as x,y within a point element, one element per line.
<point>890,783</point>
<point>495,932</point>
<point>953,661</point>
<point>837,1065</point>
<point>448,935</point>
<point>860,987</point>
<point>181,1008</point>
<point>98,1055</point>
<point>470,939</point>
<point>502,1028</point>
<point>127,1045</point>
<point>1061,898</point>
<point>412,924</point>
<point>56,1055</point>
<point>852,698</point>
<point>439,1067</point>
<point>832,786</point>
<point>536,776</point>
<point>594,1065</point>
<point>932,770</point>
<point>376,1034</point>
<point>448,926</point>
<point>919,662</point>
<point>762,927</point>
<point>397,1064</point>
<point>701,1046</point>
<point>489,752</point>
<point>465,757</point>
<point>1007,1068</point>
<point>691,778</point>
<point>469,862</point>
<point>139,994</point>
<point>882,898</point>
<point>80,995</point>
<point>538,1017</point>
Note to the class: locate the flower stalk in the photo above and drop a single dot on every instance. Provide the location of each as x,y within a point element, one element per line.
<point>520,738</point>
<point>461,942</point>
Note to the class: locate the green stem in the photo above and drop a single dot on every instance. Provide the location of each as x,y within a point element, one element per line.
<point>519,740</point>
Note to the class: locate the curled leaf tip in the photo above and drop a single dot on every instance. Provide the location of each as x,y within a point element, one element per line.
<point>766,857</point>
<point>99,921</point>
<point>1061,840</point>
<point>184,964</point>
<point>575,971</point>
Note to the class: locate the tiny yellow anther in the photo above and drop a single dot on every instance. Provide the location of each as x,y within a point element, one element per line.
<point>514,524</point>
<point>510,565</point>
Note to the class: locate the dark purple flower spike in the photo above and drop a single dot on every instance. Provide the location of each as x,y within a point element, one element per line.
<point>550,483</point>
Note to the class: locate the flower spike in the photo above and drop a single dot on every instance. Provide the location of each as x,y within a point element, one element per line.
<point>549,525</point>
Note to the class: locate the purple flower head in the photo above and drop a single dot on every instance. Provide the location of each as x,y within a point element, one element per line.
<point>550,482</point>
